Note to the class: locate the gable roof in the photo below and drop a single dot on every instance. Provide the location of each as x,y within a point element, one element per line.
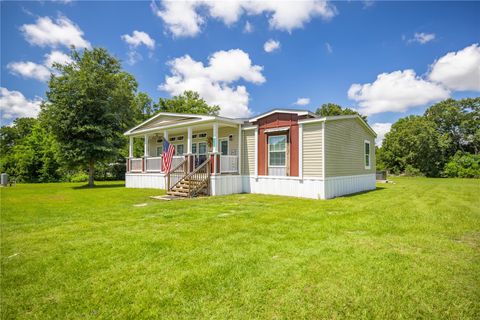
<point>173,120</point>
<point>280,110</point>
<point>331,118</point>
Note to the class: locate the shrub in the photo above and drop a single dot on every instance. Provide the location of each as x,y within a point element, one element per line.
<point>79,177</point>
<point>463,165</point>
<point>411,171</point>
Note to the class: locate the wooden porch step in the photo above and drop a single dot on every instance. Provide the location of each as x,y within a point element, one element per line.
<point>177,193</point>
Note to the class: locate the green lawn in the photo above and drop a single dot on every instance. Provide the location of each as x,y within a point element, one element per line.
<point>407,250</point>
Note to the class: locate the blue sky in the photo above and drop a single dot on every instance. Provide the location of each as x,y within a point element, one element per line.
<point>387,59</point>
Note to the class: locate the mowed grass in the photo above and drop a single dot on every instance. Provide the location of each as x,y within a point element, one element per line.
<point>407,250</point>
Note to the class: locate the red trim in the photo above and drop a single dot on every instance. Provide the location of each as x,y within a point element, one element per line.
<point>278,120</point>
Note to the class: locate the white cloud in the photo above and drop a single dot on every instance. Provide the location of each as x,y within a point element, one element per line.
<point>138,38</point>
<point>302,101</point>
<point>458,70</point>
<point>248,27</point>
<point>28,69</point>
<point>185,18</point>
<point>329,47</point>
<point>396,92</point>
<point>13,104</point>
<point>381,129</point>
<point>62,31</point>
<point>214,82</point>
<point>56,57</point>
<point>271,45</point>
<point>422,37</point>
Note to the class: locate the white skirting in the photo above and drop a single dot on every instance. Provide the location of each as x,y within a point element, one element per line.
<point>145,180</point>
<point>308,187</point>
<point>339,186</point>
<point>284,186</point>
<point>225,184</point>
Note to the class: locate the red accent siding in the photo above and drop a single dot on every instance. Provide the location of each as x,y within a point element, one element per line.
<point>278,120</point>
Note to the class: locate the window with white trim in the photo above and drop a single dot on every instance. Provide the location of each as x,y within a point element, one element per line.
<point>179,149</point>
<point>159,151</point>
<point>277,151</point>
<point>367,154</point>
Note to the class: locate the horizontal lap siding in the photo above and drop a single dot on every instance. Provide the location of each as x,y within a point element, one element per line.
<point>248,152</point>
<point>344,148</point>
<point>312,150</point>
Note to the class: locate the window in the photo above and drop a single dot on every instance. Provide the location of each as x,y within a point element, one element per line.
<point>277,151</point>
<point>159,151</point>
<point>172,139</point>
<point>194,136</point>
<point>194,148</point>
<point>224,147</point>
<point>202,148</point>
<point>202,135</point>
<point>367,154</point>
<point>179,149</point>
<point>179,138</point>
<point>159,140</point>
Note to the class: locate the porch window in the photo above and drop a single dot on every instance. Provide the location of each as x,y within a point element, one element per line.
<point>367,154</point>
<point>194,148</point>
<point>202,148</point>
<point>277,155</point>
<point>159,151</point>
<point>179,149</point>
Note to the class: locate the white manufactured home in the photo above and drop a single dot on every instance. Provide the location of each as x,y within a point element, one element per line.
<point>281,152</point>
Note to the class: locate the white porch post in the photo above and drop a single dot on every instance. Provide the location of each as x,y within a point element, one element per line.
<point>165,135</point>
<point>130,148</point>
<point>300,151</point>
<point>256,152</point>
<point>239,149</point>
<point>215,138</point>
<point>215,147</point>
<point>189,140</point>
<point>146,151</point>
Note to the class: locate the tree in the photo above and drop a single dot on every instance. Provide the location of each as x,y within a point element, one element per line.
<point>332,109</point>
<point>90,104</point>
<point>188,102</point>
<point>414,144</point>
<point>144,106</point>
<point>458,121</point>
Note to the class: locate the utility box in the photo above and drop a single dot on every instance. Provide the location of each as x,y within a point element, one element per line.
<point>4,179</point>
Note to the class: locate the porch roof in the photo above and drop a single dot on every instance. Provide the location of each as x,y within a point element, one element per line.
<point>166,120</point>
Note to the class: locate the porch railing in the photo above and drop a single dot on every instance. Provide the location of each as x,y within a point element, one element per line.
<point>154,164</point>
<point>228,164</point>
<point>136,164</point>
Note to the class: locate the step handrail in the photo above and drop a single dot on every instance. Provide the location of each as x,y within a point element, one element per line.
<point>182,163</point>
<point>198,168</point>
<point>204,181</point>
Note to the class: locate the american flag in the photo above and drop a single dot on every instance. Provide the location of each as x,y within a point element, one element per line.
<point>167,154</point>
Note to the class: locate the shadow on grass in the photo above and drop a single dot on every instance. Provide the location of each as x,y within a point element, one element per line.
<point>101,186</point>
<point>362,192</point>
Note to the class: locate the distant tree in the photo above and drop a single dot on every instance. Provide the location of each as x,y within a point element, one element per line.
<point>145,106</point>
<point>414,144</point>
<point>332,109</point>
<point>90,104</point>
<point>458,121</point>
<point>188,102</point>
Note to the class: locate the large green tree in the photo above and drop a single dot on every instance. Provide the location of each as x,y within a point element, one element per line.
<point>90,103</point>
<point>332,109</point>
<point>413,144</point>
<point>188,102</point>
<point>458,121</point>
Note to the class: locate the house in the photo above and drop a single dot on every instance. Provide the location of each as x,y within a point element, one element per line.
<point>282,152</point>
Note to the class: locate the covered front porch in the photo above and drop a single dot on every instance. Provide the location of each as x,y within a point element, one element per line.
<point>196,139</point>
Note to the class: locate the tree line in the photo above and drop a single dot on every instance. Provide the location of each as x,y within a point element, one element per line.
<point>92,101</point>
<point>78,134</point>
